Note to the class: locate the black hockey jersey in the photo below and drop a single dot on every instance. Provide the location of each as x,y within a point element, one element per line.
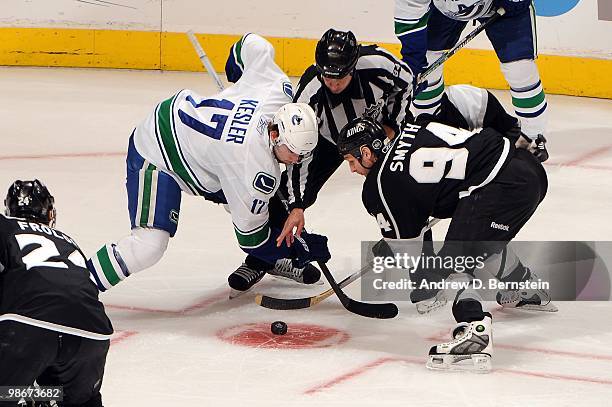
<point>44,281</point>
<point>425,173</point>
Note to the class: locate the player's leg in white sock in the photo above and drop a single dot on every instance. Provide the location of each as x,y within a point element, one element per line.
<point>154,200</point>
<point>528,97</point>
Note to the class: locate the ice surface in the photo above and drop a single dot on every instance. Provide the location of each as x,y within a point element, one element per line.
<point>70,127</point>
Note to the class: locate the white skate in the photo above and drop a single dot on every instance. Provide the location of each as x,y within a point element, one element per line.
<point>470,350</point>
<point>528,299</point>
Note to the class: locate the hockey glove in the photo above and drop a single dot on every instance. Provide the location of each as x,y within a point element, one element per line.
<point>309,247</point>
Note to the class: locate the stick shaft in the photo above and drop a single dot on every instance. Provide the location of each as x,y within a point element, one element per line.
<point>436,64</point>
<point>205,60</point>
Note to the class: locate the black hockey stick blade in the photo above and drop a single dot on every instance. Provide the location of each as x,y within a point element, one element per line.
<point>368,310</point>
<point>306,302</point>
<point>282,303</point>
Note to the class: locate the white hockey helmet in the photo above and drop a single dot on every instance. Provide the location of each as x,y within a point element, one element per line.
<point>464,10</point>
<point>297,128</point>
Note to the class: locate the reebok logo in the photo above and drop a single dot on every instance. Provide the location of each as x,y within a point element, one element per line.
<point>500,226</point>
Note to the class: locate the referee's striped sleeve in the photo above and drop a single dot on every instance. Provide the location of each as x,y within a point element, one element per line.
<point>308,90</point>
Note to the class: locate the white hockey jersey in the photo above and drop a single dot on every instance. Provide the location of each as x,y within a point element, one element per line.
<point>220,145</point>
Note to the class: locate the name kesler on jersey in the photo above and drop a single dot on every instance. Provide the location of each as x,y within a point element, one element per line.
<point>241,120</point>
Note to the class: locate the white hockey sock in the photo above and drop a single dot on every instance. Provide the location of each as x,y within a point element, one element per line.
<point>528,97</point>
<point>115,262</point>
<point>429,99</point>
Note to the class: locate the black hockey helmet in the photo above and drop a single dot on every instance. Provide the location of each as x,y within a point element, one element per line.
<point>362,132</point>
<point>30,200</point>
<point>337,53</point>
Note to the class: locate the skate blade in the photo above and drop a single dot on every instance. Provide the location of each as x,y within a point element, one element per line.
<point>550,307</point>
<point>236,293</point>
<point>425,307</point>
<point>320,282</point>
<point>475,363</point>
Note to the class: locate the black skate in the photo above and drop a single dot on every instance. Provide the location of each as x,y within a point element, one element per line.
<point>538,148</point>
<point>470,350</point>
<point>284,268</point>
<point>243,279</point>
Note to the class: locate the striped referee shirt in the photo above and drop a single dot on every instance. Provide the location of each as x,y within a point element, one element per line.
<point>380,88</point>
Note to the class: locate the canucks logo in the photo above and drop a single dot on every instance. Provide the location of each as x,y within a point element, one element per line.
<point>264,183</point>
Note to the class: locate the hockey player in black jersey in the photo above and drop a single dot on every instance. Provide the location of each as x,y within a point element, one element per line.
<point>480,180</point>
<point>53,328</point>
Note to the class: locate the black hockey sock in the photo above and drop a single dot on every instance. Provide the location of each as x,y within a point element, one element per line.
<point>469,310</point>
<point>520,273</point>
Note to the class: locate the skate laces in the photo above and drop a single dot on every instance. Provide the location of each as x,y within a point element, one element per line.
<point>284,267</point>
<point>248,273</point>
<point>458,332</point>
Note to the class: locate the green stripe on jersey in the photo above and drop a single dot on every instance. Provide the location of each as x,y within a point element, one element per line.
<point>529,102</point>
<point>146,195</point>
<point>402,28</point>
<point>253,238</point>
<point>164,120</point>
<point>238,50</point>
<point>107,266</point>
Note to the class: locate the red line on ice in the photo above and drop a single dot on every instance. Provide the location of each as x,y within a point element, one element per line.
<point>61,155</point>
<point>121,336</point>
<point>379,362</point>
<point>589,155</point>
<point>203,303</point>
<point>441,337</point>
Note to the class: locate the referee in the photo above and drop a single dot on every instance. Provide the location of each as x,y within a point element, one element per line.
<point>348,81</point>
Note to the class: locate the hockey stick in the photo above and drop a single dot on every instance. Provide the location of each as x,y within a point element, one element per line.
<point>300,303</point>
<point>306,302</point>
<point>436,64</point>
<point>204,59</point>
<point>382,311</point>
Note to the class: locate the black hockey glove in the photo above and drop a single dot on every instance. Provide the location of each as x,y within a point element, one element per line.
<point>309,247</point>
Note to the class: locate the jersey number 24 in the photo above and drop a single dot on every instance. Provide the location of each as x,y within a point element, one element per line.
<point>42,255</point>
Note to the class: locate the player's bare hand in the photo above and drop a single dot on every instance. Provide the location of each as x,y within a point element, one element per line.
<point>389,132</point>
<point>295,221</point>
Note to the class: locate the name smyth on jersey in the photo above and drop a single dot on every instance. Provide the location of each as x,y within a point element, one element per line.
<point>404,143</point>
<point>240,121</point>
<point>35,227</point>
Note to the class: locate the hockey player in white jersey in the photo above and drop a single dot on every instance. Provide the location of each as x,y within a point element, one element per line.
<point>426,28</point>
<point>225,148</point>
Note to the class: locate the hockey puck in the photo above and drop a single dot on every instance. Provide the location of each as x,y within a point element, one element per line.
<point>278,328</point>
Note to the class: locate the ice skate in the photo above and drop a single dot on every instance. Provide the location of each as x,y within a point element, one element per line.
<point>528,299</point>
<point>427,301</point>
<point>243,279</point>
<point>285,269</point>
<point>470,350</point>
